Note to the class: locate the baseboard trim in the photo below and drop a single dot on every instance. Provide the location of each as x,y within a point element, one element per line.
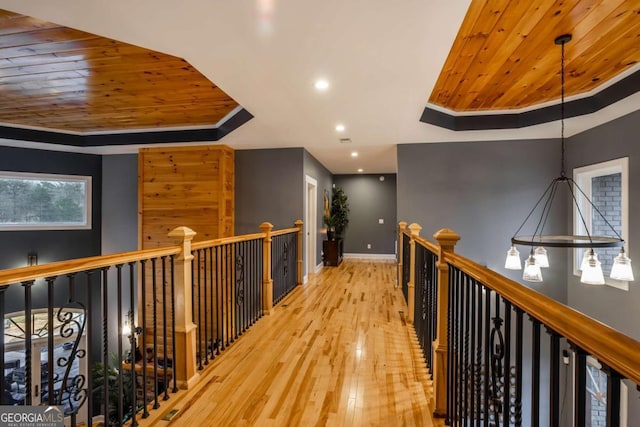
<point>391,257</point>
<point>319,267</point>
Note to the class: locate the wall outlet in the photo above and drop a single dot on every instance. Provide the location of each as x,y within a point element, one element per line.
<point>381,221</point>
<point>368,245</point>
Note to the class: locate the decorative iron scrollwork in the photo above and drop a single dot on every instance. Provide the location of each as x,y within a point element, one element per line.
<point>425,285</point>
<point>497,371</point>
<point>286,258</point>
<point>72,393</point>
<point>239,279</point>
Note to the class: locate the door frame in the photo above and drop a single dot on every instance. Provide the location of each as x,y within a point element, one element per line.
<point>310,224</point>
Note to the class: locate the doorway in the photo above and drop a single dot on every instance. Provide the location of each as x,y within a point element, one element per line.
<point>310,225</point>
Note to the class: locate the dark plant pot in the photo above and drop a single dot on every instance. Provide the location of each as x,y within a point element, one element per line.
<point>329,235</point>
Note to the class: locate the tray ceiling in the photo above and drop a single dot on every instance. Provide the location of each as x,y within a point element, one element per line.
<point>504,56</point>
<point>59,78</point>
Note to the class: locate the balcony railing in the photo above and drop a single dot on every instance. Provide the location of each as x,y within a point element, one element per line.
<point>109,338</point>
<point>503,354</point>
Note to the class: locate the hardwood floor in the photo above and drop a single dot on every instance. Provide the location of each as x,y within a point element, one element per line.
<point>336,352</point>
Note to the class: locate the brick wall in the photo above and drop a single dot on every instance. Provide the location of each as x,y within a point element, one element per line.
<point>606,195</point>
<point>596,408</point>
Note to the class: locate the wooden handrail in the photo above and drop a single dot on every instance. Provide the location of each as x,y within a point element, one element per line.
<point>285,231</point>
<point>433,248</point>
<point>59,268</point>
<point>25,274</point>
<point>609,346</point>
<point>225,240</point>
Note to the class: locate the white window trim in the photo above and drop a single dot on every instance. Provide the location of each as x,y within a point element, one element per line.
<point>87,180</point>
<point>582,176</point>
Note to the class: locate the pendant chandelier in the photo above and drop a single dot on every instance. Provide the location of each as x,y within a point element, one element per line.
<point>537,259</point>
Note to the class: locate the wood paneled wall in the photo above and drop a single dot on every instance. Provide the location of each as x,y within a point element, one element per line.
<point>190,186</point>
<point>183,186</point>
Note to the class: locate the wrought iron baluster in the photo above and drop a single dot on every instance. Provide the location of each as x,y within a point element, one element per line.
<point>472,371</point>
<point>285,266</point>
<point>90,331</point>
<point>465,349</point>
<point>203,318</point>
<point>259,249</point>
<point>72,388</point>
<point>27,341</point>
<point>506,392</point>
<point>133,342</point>
<point>120,409</point>
<point>254,281</point>
<point>143,344</point>
<point>497,356</point>
<point>230,291</point>
<point>211,300</point>
<point>478,363</point>
<point>50,342</point>
<point>165,354</point>
<point>198,307</point>
<point>219,301</point>
<point>518,392</point>
<point>459,345</point>
<point>240,289</point>
<point>105,340</point>
<point>154,320</point>
<point>554,374</point>
<point>535,373</point>
<point>220,282</point>
<point>580,375</point>
<point>173,325</point>
<point>487,357</point>
<point>613,396</point>
<point>72,317</point>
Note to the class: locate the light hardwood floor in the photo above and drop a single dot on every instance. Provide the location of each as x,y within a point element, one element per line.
<point>336,352</point>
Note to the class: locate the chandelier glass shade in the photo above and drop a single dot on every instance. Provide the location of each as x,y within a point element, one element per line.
<point>538,241</point>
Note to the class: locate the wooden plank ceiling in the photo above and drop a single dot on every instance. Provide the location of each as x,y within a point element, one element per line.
<point>504,56</point>
<point>60,78</point>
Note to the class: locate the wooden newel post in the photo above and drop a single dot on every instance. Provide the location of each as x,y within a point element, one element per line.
<point>447,240</point>
<point>185,360</point>
<point>299,251</point>
<point>267,280</point>
<point>411,285</point>
<point>402,225</point>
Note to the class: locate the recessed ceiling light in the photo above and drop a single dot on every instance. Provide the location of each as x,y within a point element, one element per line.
<point>321,84</point>
<point>360,170</point>
<point>354,154</point>
<point>340,128</point>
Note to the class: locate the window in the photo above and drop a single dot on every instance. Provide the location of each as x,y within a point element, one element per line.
<point>31,201</point>
<point>606,185</point>
<point>596,397</point>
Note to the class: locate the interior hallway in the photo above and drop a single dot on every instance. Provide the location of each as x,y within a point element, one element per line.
<point>336,352</point>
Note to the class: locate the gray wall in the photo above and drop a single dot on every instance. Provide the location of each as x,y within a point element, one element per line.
<point>317,171</point>
<point>483,191</point>
<point>269,187</point>
<point>370,200</point>
<point>119,203</point>
<point>54,245</point>
<point>613,306</point>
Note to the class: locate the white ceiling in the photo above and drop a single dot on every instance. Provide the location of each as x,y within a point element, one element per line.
<point>381,57</point>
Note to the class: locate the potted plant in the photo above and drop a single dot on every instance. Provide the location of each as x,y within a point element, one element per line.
<point>339,211</point>
<point>330,223</point>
